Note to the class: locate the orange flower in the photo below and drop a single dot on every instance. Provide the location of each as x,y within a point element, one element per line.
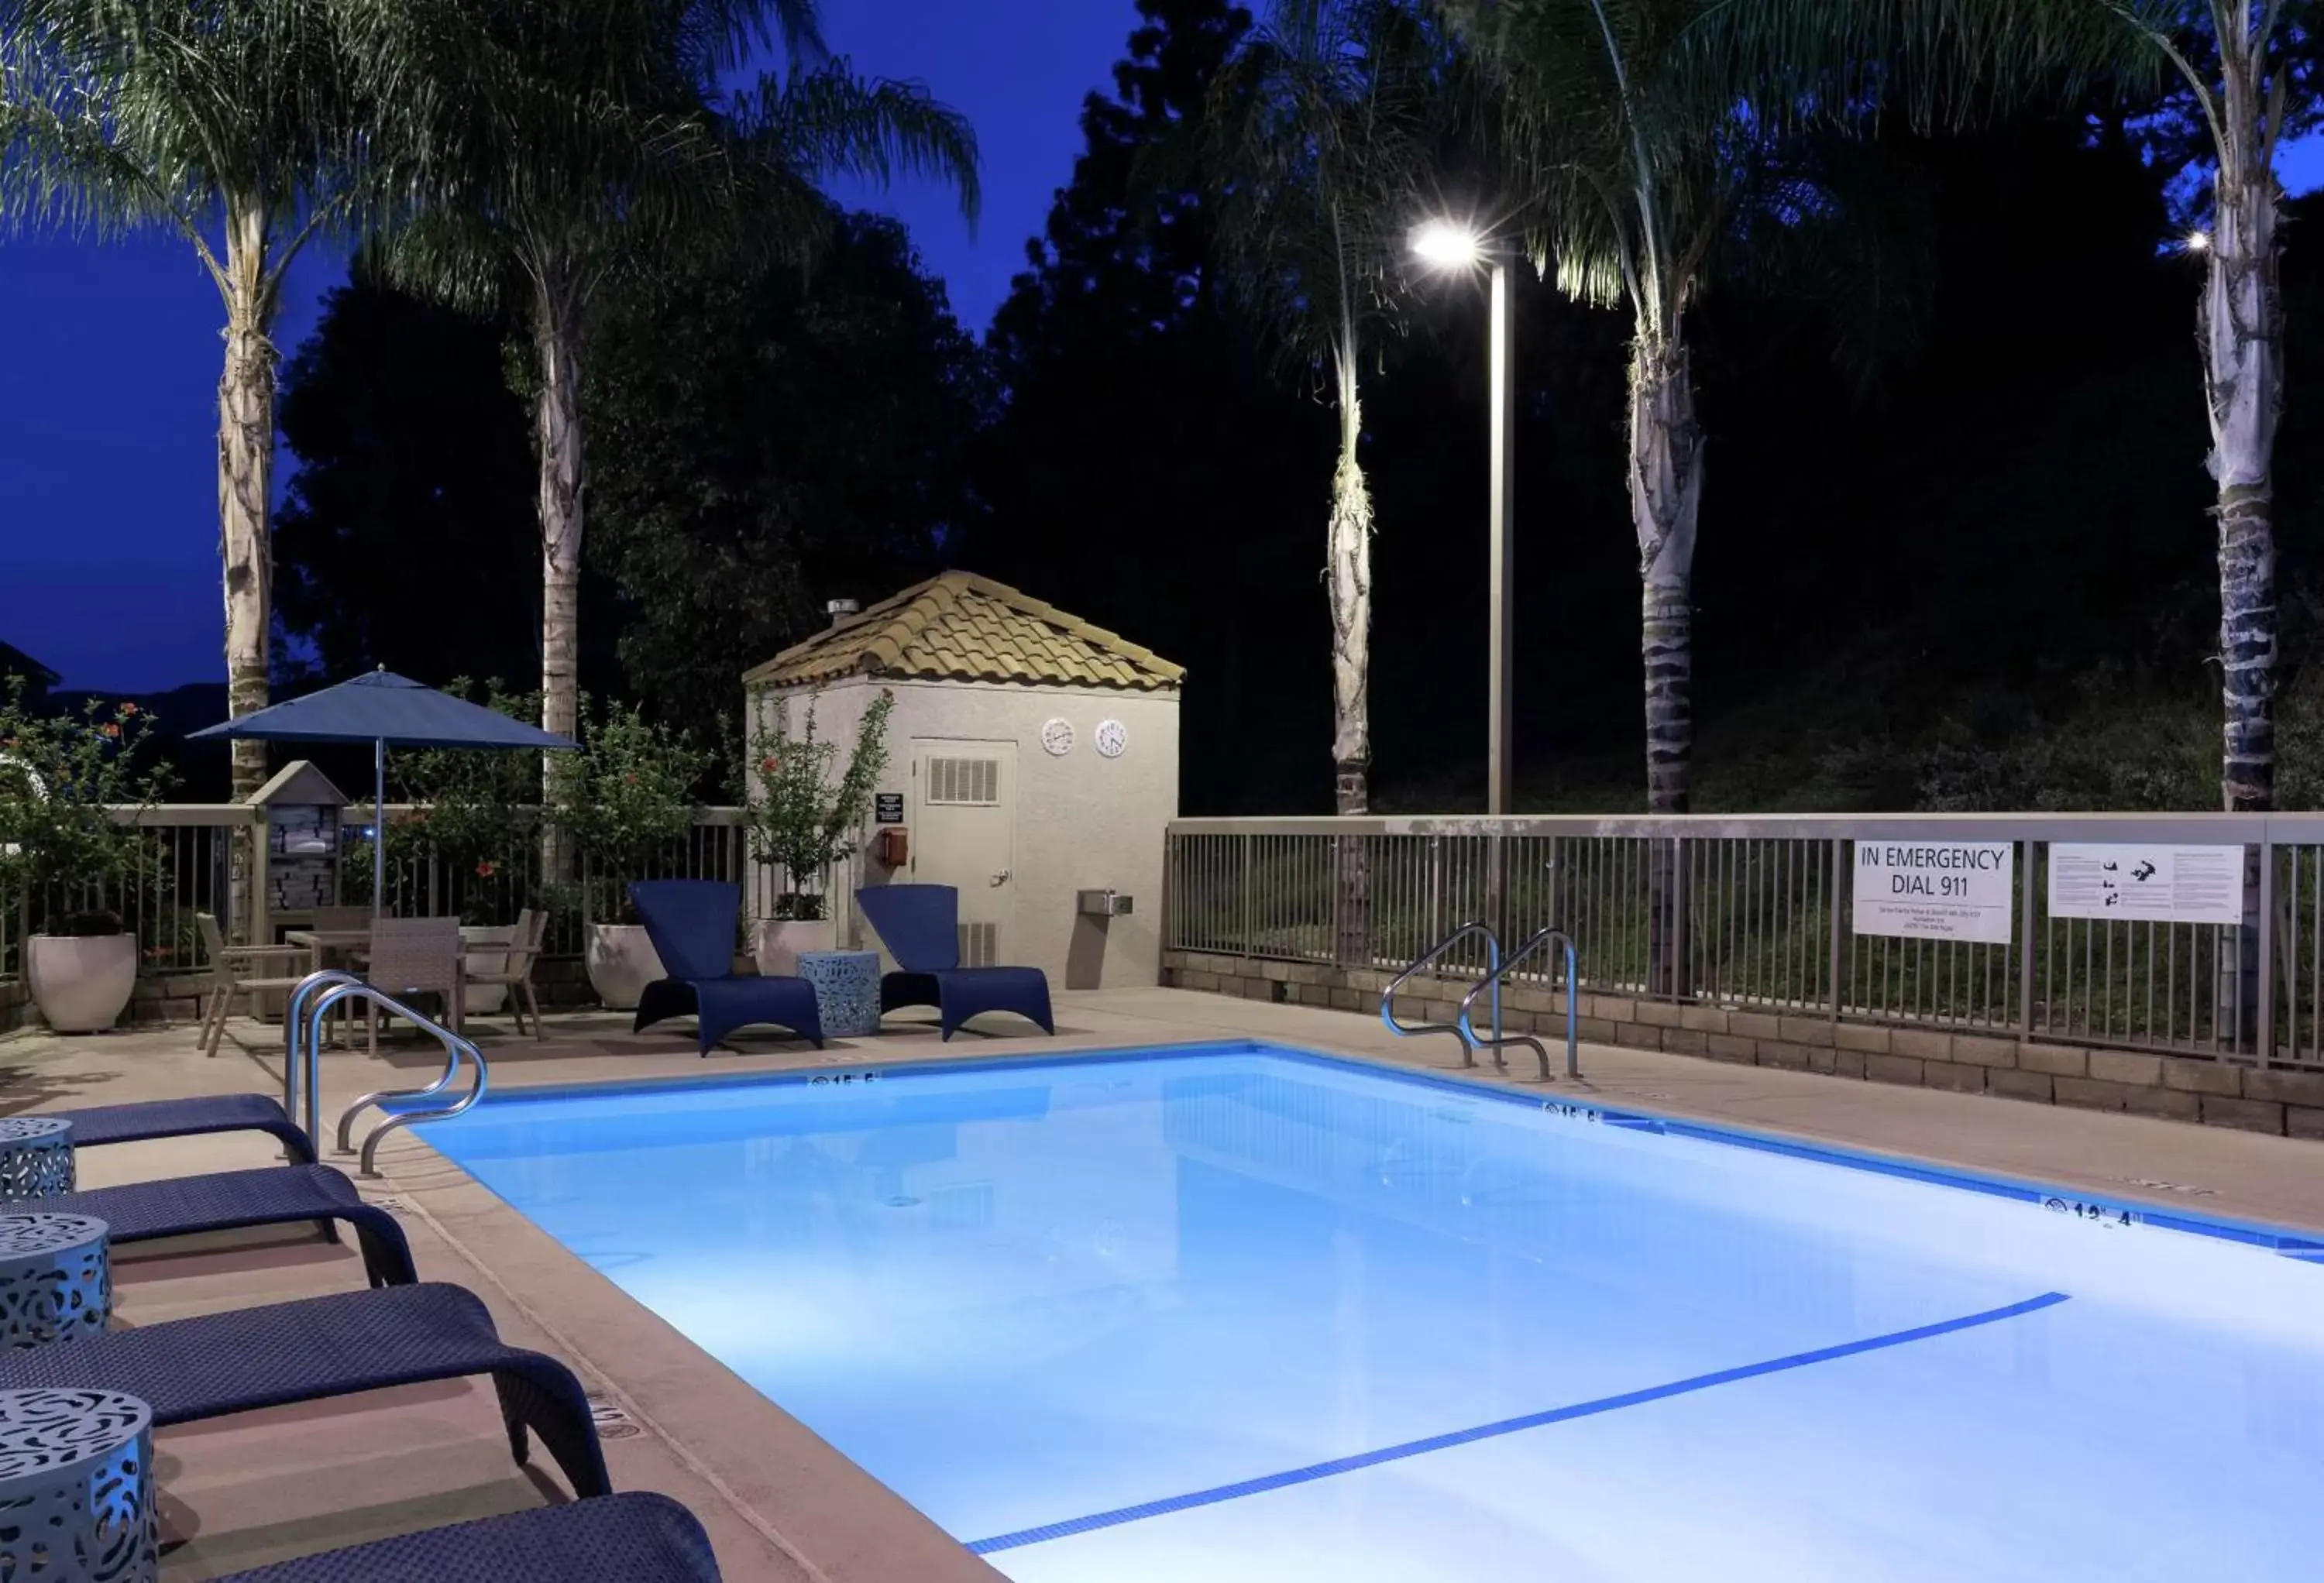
<point>771,764</point>
<point>128,708</point>
<point>487,870</point>
<point>112,730</point>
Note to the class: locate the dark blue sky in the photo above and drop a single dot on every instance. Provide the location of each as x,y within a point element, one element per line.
<point>108,516</point>
<point>109,507</point>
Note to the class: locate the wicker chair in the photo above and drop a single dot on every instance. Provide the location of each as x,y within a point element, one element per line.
<point>238,969</point>
<point>418,956</point>
<point>525,942</point>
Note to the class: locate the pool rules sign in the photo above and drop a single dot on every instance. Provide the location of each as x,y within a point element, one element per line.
<point>1935,889</point>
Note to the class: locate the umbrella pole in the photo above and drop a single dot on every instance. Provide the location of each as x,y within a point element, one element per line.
<point>378,829</point>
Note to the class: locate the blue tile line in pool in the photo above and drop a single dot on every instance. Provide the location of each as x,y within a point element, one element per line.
<point>1462,1437</point>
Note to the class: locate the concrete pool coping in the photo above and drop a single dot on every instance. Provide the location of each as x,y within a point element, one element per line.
<point>781,1503</point>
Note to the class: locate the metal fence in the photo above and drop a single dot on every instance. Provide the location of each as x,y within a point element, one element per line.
<point>199,858</point>
<point>1755,912</point>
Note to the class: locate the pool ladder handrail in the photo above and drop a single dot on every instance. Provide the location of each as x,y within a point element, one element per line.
<point>1427,959</point>
<point>1492,981</point>
<point>328,989</point>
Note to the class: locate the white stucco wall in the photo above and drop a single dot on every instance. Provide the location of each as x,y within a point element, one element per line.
<point>1082,821</point>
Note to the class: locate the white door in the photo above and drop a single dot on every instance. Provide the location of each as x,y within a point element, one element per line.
<point>965,835</point>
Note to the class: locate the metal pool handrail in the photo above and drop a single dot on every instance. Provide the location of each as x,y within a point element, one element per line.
<point>1427,959</point>
<point>1498,1042</point>
<point>299,1062</point>
<point>454,1047</point>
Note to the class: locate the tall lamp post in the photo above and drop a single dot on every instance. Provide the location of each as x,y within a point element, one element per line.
<point>1445,246</point>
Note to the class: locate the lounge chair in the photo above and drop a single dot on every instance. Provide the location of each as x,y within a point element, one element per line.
<point>152,1119</point>
<point>920,926</point>
<point>221,1364</point>
<point>278,1195</point>
<point>613,1538</point>
<point>692,925</point>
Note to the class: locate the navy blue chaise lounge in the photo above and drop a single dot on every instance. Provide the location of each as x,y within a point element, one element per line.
<point>220,1364</point>
<point>692,923</point>
<point>272,1195</point>
<point>920,926</point>
<point>615,1539</point>
<point>152,1119</point>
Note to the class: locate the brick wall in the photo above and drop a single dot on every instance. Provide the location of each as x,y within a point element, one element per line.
<point>2185,1088</point>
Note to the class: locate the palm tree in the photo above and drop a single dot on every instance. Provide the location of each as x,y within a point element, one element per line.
<point>227,123</point>
<point>1319,134</point>
<point>546,149</point>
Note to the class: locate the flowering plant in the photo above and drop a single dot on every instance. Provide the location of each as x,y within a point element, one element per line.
<point>65,855</point>
<point>799,821</point>
<point>624,799</point>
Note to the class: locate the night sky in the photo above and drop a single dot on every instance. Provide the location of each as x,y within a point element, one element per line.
<point>108,506</point>
<point>109,521</point>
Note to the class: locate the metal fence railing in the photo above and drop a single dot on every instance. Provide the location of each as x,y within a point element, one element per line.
<point>1756,914</point>
<point>208,858</point>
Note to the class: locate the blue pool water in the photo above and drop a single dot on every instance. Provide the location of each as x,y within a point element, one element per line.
<point>1253,1315</point>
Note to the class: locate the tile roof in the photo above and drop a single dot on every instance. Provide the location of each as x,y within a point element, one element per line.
<point>960,627</point>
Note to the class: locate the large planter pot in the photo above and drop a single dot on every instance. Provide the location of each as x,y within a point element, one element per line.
<point>80,982</point>
<point>777,945</point>
<point>478,957</point>
<point>621,963</point>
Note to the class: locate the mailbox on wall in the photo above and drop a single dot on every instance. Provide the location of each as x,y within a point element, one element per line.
<point>303,811</point>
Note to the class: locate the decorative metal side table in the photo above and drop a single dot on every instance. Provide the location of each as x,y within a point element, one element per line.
<point>36,1156</point>
<point>77,1487</point>
<point>56,1283</point>
<point>846,991</point>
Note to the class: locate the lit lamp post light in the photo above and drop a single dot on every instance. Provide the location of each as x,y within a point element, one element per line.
<point>1448,246</point>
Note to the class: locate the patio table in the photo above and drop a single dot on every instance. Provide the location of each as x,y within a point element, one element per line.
<point>76,1481</point>
<point>56,1281</point>
<point>36,1156</point>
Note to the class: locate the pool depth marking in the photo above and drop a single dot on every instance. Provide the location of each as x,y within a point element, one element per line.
<point>1462,1437</point>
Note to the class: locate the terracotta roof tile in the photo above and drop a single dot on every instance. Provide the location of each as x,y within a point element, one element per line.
<point>962,627</point>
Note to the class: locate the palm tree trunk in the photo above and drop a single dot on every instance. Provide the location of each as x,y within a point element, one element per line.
<point>245,480</point>
<point>1347,580</point>
<point>555,339</point>
<point>2242,328</point>
<point>1665,495</point>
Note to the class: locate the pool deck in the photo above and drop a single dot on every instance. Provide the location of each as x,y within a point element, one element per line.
<point>779,1503</point>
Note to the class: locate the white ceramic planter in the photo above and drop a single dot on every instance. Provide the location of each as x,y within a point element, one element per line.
<point>621,963</point>
<point>80,982</point>
<point>484,999</point>
<point>778,942</point>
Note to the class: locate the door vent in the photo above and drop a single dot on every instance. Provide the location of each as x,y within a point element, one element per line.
<point>980,944</point>
<point>973,781</point>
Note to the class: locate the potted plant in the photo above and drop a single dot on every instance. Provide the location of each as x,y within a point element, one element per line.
<point>802,822</point>
<point>68,856</point>
<point>622,801</point>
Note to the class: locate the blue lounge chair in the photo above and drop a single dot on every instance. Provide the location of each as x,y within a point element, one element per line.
<point>152,1119</point>
<point>613,1538</point>
<point>691,923</point>
<point>920,926</point>
<point>318,1348</point>
<point>278,1195</point>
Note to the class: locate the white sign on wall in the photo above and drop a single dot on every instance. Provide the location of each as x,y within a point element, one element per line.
<point>1935,889</point>
<point>2156,881</point>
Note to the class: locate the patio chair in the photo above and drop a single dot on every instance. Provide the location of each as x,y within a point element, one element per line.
<point>226,1201</point>
<point>241,970</point>
<point>144,1119</point>
<point>920,926</point>
<point>637,1538</point>
<point>220,1364</point>
<point>416,956</point>
<point>524,947</point>
<point>692,925</point>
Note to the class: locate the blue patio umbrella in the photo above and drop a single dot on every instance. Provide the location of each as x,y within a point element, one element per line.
<point>383,708</point>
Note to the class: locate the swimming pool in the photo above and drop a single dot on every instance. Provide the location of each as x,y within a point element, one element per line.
<point>1244,1313</point>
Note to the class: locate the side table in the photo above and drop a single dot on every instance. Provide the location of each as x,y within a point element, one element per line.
<point>77,1487</point>
<point>56,1283</point>
<point>846,991</point>
<point>36,1156</point>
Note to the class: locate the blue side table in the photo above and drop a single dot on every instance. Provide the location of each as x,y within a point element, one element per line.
<point>846,991</point>
<point>56,1282</point>
<point>77,1484</point>
<point>36,1156</point>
